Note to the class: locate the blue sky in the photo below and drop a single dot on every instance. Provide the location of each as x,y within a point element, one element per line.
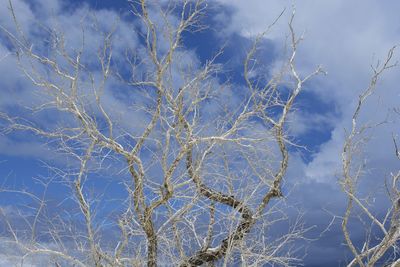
<point>344,37</point>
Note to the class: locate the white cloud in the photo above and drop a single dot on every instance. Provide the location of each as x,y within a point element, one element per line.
<point>15,254</point>
<point>345,38</point>
<point>304,122</point>
<point>25,14</point>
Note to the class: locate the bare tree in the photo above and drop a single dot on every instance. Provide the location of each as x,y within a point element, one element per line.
<point>376,248</point>
<point>199,173</point>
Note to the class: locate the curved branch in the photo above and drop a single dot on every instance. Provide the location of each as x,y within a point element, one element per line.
<point>212,254</point>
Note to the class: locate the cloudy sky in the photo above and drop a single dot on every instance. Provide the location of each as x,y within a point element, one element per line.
<point>344,37</point>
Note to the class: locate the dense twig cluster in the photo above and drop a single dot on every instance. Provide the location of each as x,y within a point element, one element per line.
<point>186,145</point>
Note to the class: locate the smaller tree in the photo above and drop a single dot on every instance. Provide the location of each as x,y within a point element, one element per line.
<point>376,248</point>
